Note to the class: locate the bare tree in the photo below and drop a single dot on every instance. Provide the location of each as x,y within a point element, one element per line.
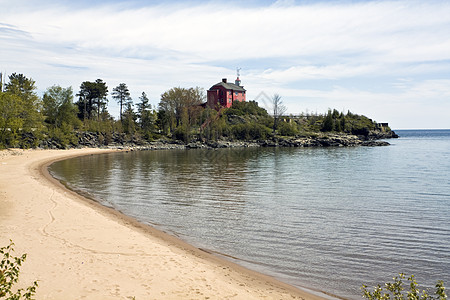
<point>278,110</point>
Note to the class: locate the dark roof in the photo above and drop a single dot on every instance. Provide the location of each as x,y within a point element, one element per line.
<point>229,86</point>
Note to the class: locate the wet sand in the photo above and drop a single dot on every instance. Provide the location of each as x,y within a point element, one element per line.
<point>78,249</point>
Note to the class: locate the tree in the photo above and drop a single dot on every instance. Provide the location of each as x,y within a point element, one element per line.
<point>10,118</point>
<point>164,121</point>
<point>122,96</point>
<point>24,88</point>
<point>145,115</point>
<point>328,122</point>
<point>29,110</point>
<point>278,109</point>
<point>174,101</point>
<point>196,98</point>
<point>210,128</point>
<point>1,82</point>
<point>60,115</point>
<point>92,99</point>
<point>129,119</point>
<point>58,107</point>
<point>397,291</point>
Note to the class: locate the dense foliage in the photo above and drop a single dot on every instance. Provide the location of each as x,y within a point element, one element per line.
<point>26,120</point>
<point>20,113</point>
<point>92,99</point>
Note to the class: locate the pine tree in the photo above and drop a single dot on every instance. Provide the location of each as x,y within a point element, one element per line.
<point>122,95</point>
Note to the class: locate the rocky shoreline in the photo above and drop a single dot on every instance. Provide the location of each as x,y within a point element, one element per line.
<point>122,141</point>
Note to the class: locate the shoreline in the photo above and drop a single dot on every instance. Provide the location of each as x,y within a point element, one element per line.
<point>313,139</point>
<point>120,257</point>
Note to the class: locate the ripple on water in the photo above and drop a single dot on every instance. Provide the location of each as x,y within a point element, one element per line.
<point>329,219</point>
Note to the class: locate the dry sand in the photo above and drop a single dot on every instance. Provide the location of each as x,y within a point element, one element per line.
<point>78,249</point>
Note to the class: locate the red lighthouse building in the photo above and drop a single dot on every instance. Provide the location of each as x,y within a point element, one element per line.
<point>224,94</point>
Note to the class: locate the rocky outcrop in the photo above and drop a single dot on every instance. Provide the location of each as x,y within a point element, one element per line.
<point>122,141</point>
<point>330,140</point>
<point>115,140</point>
<point>373,143</point>
<point>379,135</point>
<point>222,144</point>
<point>96,139</point>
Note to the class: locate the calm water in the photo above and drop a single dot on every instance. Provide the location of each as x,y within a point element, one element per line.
<point>325,218</point>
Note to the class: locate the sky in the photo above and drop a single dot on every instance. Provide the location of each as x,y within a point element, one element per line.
<point>388,60</point>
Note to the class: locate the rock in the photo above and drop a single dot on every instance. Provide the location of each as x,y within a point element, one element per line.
<point>122,141</point>
<point>331,140</point>
<point>268,143</point>
<point>374,143</point>
<point>378,135</point>
<point>195,145</point>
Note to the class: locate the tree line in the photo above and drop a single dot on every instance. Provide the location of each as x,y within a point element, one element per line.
<point>27,119</point>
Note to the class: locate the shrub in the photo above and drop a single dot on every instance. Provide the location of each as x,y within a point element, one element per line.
<point>397,291</point>
<point>64,135</point>
<point>287,129</point>
<point>181,133</point>
<point>246,108</point>
<point>9,275</point>
<point>249,131</point>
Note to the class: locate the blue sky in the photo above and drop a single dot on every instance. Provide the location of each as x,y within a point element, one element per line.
<point>388,60</point>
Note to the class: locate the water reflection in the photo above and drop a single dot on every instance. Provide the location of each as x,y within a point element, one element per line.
<point>331,217</point>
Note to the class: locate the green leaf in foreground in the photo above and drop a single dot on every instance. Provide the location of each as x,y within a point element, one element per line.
<point>397,291</point>
<point>9,275</point>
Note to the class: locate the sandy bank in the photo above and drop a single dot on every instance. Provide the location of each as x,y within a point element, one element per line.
<point>78,249</point>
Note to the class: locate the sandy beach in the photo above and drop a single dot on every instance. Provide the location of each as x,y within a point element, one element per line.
<point>78,249</point>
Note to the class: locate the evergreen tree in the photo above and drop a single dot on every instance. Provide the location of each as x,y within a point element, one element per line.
<point>24,88</point>
<point>328,122</point>
<point>122,95</point>
<point>10,119</point>
<point>92,99</point>
<point>129,119</point>
<point>145,115</point>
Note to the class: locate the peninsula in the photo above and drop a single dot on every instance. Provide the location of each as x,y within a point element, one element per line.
<point>181,117</point>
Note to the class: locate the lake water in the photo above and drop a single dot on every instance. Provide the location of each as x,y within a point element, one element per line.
<point>329,219</point>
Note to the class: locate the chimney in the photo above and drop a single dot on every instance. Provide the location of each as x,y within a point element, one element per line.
<point>224,80</point>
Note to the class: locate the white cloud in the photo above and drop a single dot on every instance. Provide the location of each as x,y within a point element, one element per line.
<point>384,30</point>
<point>424,104</point>
<point>153,48</point>
<point>298,73</point>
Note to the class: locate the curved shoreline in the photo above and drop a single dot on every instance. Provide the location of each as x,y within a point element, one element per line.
<point>124,258</point>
